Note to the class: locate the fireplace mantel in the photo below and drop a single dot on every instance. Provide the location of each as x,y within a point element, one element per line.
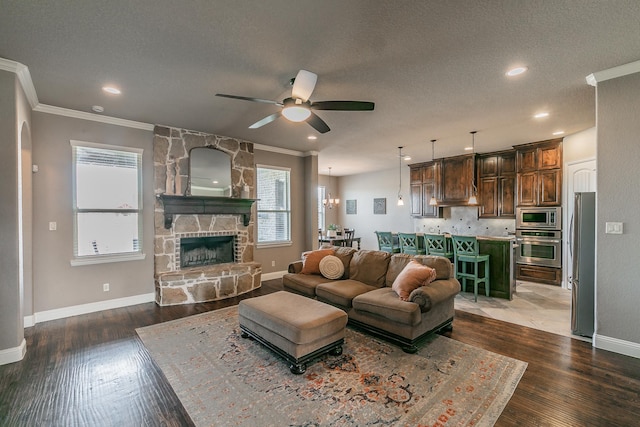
<point>204,205</point>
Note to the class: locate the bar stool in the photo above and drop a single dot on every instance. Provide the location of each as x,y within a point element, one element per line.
<point>465,250</point>
<point>438,244</point>
<point>409,244</point>
<point>385,242</point>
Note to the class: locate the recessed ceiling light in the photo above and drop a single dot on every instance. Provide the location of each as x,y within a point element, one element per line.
<point>516,71</point>
<point>468,148</point>
<point>541,115</point>
<point>111,89</point>
<point>312,137</point>
<point>559,132</point>
<point>97,109</point>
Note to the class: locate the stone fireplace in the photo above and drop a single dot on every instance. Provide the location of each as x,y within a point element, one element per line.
<point>203,245</point>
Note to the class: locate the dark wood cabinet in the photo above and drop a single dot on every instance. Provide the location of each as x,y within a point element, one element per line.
<point>539,178</point>
<point>497,185</point>
<point>501,265</point>
<point>539,274</point>
<point>456,178</point>
<point>425,179</point>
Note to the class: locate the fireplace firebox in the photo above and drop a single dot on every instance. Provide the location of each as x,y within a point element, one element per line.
<point>199,251</point>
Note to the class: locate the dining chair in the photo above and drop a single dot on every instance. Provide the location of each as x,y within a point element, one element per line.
<point>348,236</point>
<point>466,253</point>
<point>409,244</point>
<point>438,244</point>
<point>386,243</point>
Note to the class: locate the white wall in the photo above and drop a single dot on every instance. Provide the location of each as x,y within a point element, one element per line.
<point>364,188</point>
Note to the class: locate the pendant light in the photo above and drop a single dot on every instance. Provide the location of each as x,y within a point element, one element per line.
<point>329,201</point>
<point>433,201</point>
<point>473,199</point>
<point>400,157</point>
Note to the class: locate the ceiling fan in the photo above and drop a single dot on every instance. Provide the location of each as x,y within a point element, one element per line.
<point>298,108</point>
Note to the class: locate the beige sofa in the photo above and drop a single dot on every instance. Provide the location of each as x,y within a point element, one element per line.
<point>365,293</point>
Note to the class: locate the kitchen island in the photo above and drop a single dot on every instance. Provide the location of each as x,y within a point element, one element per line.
<point>501,265</point>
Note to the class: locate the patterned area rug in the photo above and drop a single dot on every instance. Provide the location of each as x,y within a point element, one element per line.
<point>225,380</point>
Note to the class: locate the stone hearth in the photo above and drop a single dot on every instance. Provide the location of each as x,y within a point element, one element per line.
<point>183,285</point>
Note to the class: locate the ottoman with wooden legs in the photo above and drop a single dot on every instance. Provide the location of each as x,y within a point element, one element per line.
<point>297,328</point>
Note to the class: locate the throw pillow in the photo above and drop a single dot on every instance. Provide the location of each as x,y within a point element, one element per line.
<point>412,276</point>
<point>331,267</point>
<point>311,260</point>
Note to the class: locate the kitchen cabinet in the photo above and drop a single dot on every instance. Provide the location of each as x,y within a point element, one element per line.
<point>501,266</point>
<point>497,185</point>
<point>539,173</point>
<point>456,178</point>
<point>539,274</point>
<point>424,185</point>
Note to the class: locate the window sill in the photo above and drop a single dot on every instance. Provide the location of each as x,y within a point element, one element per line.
<point>104,259</point>
<point>268,245</point>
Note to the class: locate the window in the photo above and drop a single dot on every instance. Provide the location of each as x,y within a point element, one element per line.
<point>321,208</point>
<point>107,203</point>
<point>274,206</point>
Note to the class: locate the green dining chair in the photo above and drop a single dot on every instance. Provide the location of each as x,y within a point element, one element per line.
<point>386,243</point>
<point>467,260</point>
<point>409,244</point>
<point>438,244</point>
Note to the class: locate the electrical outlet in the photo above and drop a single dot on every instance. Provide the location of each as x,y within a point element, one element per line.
<point>273,263</point>
<point>53,226</point>
<point>105,287</point>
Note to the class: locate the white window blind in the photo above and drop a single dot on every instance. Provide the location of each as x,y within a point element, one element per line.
<point>274,205</point>
<point>107,200</point>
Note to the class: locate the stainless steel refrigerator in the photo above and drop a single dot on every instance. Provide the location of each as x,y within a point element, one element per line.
<point>583,246</point>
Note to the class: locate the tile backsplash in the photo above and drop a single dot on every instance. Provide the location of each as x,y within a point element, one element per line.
<point>464,220</point>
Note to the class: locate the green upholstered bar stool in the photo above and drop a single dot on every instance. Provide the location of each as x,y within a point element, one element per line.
<point>465,249</point>
<point>385,242</point>
<point>438,244</point>
<point>409,244</point>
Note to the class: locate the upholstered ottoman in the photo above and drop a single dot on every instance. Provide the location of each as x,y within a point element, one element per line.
<point>296,327</point>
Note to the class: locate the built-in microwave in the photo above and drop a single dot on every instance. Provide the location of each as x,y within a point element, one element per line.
<point>530,218</point>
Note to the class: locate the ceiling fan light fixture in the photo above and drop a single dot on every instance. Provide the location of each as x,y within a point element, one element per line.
<point>296,113</point>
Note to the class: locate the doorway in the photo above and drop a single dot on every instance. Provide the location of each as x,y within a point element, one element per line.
<point>579,176</point>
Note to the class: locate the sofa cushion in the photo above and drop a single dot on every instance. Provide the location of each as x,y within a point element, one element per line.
<point>444,267</point>
<point>303,284</point>
<point>397,263</point>
<point>311,260</point>
<point>332,267</point>
<point>345,254</point>
<point>412,277</point>
<point>384,303</point>
<point>341,292</point>
<point>369,267</point>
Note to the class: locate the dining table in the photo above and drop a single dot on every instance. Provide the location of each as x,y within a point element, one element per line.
<point>338,240</point>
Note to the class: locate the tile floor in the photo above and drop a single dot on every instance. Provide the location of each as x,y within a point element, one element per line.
<point>535,305</point>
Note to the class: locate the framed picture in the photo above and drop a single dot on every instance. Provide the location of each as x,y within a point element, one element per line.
<point>352,207</point>
<point>380,206</point>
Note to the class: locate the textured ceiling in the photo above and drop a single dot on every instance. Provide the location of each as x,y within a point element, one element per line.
<point>435,69</point>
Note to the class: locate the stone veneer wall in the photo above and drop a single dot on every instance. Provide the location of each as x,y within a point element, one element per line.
<point>205,283</point>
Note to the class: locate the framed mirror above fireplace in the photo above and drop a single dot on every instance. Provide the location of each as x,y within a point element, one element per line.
<point>209,172</point>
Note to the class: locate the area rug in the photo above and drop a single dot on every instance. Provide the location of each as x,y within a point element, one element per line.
<point>225,380</point>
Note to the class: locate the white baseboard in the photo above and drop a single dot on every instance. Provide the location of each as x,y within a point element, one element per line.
<point>616,345</point>
<point>273,275</point>
<point>14,354</point>
<point>76,310</point>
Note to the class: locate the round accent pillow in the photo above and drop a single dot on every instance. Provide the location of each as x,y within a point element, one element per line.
<point>331,267</point>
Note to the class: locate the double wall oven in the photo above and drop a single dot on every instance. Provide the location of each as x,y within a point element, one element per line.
<point>539,236</point>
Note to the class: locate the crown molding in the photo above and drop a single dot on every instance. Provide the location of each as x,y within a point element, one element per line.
<point>24,77</point>
<point>50,109</point>
<point>613,73</point>
<point>279,150</point>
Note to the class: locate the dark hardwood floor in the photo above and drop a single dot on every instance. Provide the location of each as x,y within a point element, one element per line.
<point>92,370</point>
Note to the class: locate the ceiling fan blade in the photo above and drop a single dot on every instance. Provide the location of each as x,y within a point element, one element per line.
<point>343,105</point>
<point>317,123</point>
<point>245,98</point>
<point>303,85</point>
<point>265,121</point>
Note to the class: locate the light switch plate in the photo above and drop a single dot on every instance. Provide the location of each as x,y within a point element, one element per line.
<point>613,228</point>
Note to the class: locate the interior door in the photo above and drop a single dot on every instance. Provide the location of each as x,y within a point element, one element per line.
<point>580,176</point>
